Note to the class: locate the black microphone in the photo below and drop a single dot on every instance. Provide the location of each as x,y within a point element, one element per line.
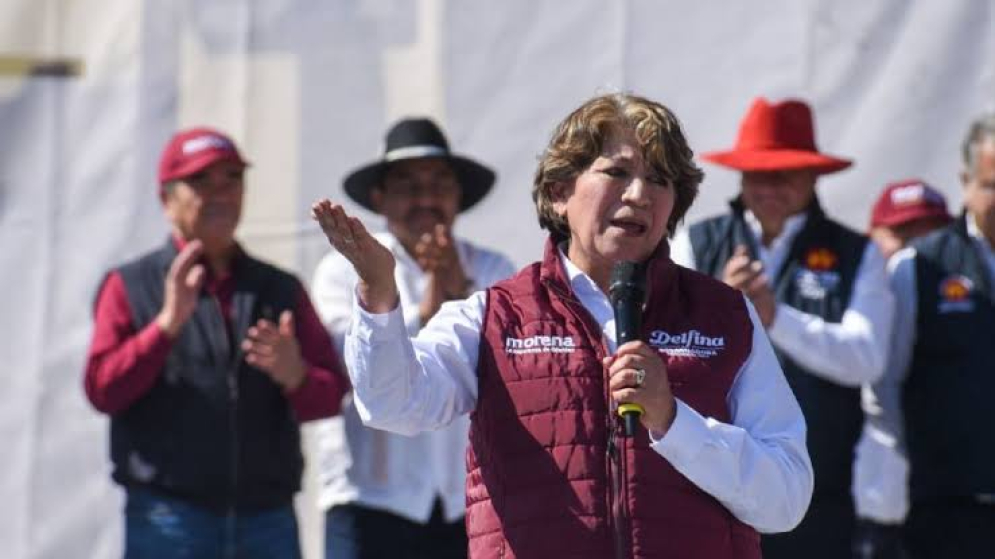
<point>627,292</point>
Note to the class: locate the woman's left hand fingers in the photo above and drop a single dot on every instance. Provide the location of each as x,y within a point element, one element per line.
<point>632,361</point>
<point>635,376</point>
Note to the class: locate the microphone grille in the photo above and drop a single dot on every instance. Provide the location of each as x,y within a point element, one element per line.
<point>627,277</point>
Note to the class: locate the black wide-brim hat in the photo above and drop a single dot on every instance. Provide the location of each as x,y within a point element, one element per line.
<point>417,138</point>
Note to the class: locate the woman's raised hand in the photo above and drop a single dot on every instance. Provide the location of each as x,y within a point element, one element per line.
<point>373,262</point>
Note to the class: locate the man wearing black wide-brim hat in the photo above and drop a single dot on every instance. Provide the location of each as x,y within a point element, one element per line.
<point>388,495</point>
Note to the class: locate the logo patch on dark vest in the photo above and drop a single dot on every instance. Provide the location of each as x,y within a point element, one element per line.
<point>687,344</point>
<point>955,295</point>
<point>819,276</point>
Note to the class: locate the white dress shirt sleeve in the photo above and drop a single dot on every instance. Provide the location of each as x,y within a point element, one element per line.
<point>681,250</point>
<point>881,473</point>
<point>853,351</point>
<point>409,385</point>
<point>758,466</point>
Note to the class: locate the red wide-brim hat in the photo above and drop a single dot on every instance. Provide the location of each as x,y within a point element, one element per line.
<point>777,137</point>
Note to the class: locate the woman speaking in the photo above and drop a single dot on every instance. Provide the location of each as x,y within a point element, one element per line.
<point>719,453</point>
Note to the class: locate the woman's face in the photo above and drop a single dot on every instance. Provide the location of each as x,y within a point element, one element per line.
<point>617,209</point>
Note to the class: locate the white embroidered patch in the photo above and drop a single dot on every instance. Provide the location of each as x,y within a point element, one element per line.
<point>539,344</point>
<point>139,468</point>
<point>200,143</point>
<point>816,284</point>
<point>689,344</point>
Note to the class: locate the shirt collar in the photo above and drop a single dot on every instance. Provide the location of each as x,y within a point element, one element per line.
<point>180,243</point>
<point>792,226</point>
<point>975,233</point>
<point>394,245</point>
<point>582,284</point>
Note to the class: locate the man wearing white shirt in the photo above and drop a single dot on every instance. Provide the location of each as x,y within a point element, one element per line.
<point>820,290</point>
<point>904,211</point>
<point>935,396</point>
<point>389,495</point>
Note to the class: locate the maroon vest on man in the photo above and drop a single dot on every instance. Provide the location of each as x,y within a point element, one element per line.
<point>549,474</point>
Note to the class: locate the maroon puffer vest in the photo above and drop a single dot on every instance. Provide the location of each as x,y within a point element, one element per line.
<point>549,474</point>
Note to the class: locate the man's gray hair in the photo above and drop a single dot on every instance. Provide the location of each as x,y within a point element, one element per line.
<point>981,128</point>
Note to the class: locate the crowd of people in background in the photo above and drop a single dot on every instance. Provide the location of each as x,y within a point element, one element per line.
<point>805,389</point>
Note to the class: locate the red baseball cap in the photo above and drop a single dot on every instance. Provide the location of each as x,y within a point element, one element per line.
<point>191,151</point>
<point>908,200</point>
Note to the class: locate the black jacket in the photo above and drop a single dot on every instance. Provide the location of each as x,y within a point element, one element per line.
<point>212,430</point>
<point>948,392</point>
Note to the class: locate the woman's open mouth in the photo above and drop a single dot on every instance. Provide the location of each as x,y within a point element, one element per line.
<point>629,227</point>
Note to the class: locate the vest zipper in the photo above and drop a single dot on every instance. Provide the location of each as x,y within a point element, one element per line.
<point>617,474</point>
<point>617,501</point>
<point>615,460</point>
<point>231,379</point>
<point>235,443</point>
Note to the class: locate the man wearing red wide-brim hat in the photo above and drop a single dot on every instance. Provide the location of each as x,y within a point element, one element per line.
<point>820,290</point>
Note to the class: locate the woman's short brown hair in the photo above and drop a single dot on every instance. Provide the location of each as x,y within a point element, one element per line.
<point>579,139</point>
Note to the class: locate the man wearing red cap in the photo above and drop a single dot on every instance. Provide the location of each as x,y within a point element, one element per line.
<point>905,210</point>
<point>820,291</point>
<point>936,394</point>
<point>206,360</point>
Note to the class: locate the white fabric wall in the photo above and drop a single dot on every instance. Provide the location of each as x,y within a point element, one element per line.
<point>308,87</point>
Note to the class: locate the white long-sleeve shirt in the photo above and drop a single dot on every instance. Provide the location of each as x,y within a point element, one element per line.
<point>883,480</point>
<point>379,469</point>
<point>757,466</point>
<point>851,352</point>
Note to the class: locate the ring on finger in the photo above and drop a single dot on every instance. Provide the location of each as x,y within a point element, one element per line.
<point>640,377</point>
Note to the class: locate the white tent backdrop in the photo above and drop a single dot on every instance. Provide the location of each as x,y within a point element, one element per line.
<point>308,88</point>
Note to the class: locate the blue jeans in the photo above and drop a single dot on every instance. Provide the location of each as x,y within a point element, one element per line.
<point>357,532</point>
<point>159,527</point>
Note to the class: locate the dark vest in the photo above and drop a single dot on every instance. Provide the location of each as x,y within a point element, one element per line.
<point>948,394</point>
<point>549,474</point>
<point>817,278</point>
<point>212,430</point>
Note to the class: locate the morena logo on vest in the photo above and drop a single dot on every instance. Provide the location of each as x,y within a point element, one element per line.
<point>689,344</point>
<point>539,344</point>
